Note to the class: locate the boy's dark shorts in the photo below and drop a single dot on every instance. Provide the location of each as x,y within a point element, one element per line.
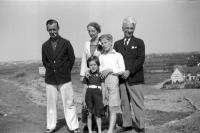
<point>94,101</point>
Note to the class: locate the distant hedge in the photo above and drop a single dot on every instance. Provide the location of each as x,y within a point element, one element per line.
<point>183,85</point>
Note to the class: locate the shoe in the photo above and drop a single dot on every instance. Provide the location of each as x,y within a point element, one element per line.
<point>142,130</point>
<point>49,130</point>
<point>76,131</point>
<point>123,129</point>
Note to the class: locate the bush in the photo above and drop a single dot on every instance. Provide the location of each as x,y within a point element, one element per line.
<point>170,85</point>
<point>192,84</point>
<point>20,75</point>
<point>167,83</point>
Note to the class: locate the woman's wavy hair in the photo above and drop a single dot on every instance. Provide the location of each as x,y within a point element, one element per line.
<point>95,25</point>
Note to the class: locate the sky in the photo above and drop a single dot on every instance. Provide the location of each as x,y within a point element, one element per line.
<point>166,26</point>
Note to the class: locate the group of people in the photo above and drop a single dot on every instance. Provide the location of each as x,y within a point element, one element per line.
<point>111,73</point>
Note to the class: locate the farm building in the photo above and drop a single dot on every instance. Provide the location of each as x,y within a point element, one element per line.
<point>192,73</point>
<point>181,74</point>
<point>177,76</point>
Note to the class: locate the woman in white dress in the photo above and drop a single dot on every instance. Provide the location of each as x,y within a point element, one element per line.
<point>91,47</point>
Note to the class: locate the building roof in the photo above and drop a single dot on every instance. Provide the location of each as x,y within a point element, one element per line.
<point>193,70</point>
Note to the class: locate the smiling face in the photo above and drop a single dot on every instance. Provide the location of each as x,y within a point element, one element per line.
<point>93,66</point>
<point>92,32</point>
<point>128,29</point>
<point>53,30</point>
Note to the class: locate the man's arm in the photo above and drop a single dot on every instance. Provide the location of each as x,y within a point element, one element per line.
<point>44,58</point>
<point>120,66</point>
<point>71,55</point>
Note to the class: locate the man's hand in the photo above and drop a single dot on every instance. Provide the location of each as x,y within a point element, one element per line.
<point>126,74</point>
<point>105,73</point>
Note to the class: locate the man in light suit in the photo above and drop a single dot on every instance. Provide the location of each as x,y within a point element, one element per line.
<point>133,52</point>
<point>58,59</point>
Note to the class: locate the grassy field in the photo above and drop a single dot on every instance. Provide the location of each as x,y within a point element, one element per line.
<point>23,93</point>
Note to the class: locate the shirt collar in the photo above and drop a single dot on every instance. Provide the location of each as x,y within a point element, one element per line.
<point>127,39</point>
<point>112,52</point>
<point>55,39</point>
<point>93,72</point>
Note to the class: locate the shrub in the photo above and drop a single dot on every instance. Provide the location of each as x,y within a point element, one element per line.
<point>192,84</point>
<point>20,75</point>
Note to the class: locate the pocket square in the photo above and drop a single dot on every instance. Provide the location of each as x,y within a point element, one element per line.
<point>133,47</point>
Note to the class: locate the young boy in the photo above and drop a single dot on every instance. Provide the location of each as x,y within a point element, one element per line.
<point>111,66</point>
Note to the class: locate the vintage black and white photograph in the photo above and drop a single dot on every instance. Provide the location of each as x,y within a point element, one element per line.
<point>100,66</point>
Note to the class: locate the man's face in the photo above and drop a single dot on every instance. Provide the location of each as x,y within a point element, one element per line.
<point>53,30</point>
<point>128,29</point>
<point>106,44</point>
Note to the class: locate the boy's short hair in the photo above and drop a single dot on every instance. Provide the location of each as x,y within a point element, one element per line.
<point>108,37</point>
<point>93,58</point>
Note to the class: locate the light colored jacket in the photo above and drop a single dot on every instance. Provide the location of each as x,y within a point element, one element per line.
<point>85,56</point>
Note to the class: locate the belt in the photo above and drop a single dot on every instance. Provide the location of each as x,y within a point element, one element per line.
<point>94,86</point>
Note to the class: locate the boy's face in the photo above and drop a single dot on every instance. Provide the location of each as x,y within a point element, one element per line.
<point>107,45</point>
<point>93,66</point>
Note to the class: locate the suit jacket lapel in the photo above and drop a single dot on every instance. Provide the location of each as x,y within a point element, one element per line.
<point>123,47</point>
<point>58,47</point>
<point>49,49</point>
<point>131,44</point>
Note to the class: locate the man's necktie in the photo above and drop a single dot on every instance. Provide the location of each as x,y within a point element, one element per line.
<point>126,42</point>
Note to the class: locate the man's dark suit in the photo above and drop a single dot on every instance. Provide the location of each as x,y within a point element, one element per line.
<point>58,63</point>
<point>134,56</point>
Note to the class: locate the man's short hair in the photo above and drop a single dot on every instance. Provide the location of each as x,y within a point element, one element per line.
<point>108,37</point>
<point>95,25</point>
<point>93,58</point>
<point>129,20</point>
<point>51,21</point>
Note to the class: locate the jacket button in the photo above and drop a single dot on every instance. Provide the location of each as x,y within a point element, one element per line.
<point>54,61</point>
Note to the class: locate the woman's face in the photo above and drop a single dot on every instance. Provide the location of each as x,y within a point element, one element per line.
<point>92,32</point>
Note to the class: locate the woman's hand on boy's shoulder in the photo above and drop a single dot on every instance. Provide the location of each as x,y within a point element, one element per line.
<point>87,74</point>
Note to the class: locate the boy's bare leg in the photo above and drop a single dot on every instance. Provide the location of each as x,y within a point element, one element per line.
<point>112,122</point>
<point>89,123</point>
<point>98,120</point>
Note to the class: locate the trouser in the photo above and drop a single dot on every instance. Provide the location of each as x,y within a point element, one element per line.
<point>125,105</point>
<point>137,102</point>
<point>132,94</point>
<point>66,91</point>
